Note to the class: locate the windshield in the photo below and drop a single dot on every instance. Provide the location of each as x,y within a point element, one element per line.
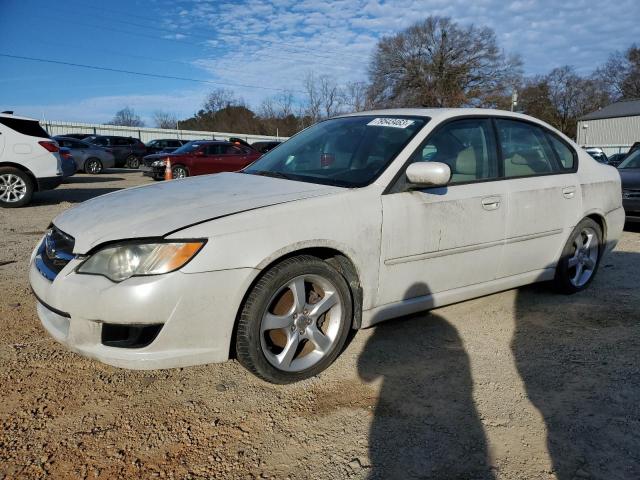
<point>188,147</point>
<point>632,161</point>
<point>347,152</point>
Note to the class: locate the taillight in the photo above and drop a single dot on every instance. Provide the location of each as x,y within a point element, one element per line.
<point>50,146</point>
<point>65,154</point>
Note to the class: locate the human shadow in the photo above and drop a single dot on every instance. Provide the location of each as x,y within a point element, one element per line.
<point>425,424</point>
<point>579,359</point>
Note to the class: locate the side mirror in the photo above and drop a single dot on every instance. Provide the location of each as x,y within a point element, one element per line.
<point>199,153</point>
<point>428,174</point>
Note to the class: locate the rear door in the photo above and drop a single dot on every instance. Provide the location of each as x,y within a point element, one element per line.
<point>544,196</point>
<point>234,158</point>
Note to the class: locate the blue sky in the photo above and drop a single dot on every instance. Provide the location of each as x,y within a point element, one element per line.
<point>258,48</point>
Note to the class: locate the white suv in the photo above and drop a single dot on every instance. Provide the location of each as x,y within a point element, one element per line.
<point>29,160</point>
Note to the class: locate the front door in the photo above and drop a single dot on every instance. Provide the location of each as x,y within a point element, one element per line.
<point>439,239</point>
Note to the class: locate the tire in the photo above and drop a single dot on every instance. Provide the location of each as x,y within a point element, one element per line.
<point>132,162</point>
<point>308,334</point>
<point>179,171</point>
<point>16,188</point>
<point>92,166</point>
<point>580,258</point>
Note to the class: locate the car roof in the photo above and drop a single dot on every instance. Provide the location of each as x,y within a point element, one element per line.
<point>11,115</point>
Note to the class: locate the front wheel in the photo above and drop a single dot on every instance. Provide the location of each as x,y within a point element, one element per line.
<point>580,258</point>
<point>295,321</point>
<point>179,172</point>
<point>16,188</point>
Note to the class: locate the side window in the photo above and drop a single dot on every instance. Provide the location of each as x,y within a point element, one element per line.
<point>102,141</point>
<point>564,154</point>
<point>232,150</point>
<point>525,149</point>
<point>467,146</point>
<point>212,149</point>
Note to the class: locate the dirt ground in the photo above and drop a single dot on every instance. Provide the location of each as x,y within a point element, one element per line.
<point>524,384</point>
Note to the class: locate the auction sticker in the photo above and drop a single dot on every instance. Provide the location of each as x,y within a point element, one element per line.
<point>390,122</point>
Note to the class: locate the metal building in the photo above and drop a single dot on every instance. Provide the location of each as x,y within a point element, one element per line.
<point>613,128</point>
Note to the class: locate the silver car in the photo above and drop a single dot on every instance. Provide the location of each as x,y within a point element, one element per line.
<point>89,158</point>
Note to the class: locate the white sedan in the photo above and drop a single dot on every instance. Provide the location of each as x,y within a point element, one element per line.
<point>353,221</point>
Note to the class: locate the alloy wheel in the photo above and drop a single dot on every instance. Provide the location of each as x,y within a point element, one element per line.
<point>583,263</point>
<point>12,188</point>
<point>301,324</point>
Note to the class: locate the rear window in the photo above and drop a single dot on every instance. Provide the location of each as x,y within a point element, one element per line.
<point>26,127</point>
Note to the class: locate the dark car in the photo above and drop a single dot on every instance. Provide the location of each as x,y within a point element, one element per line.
<point>264,147</point>
<point>164,145</point>
<point>128,151</point>
<point>67,163</point>
<point>201,158</point>
<point>77,136</point>
<point>89,158</point>
<point>616,159</point>
<point>630,174</point>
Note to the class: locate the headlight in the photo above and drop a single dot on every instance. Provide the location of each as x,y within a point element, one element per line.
<point>119,262</point>
<point>158,163</point>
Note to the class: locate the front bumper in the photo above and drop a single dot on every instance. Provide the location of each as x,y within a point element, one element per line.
<point>632,207</point>
<point>196,311</point>
<point>154,172</point>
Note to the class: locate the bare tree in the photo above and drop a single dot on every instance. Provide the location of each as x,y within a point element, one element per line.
<point>438,63</point>
<point>355,96</point>
<point>164,119</point>
<point>324,98</point>
<point>127,117</point>
<point>219,99</point>
<point>621,74</point>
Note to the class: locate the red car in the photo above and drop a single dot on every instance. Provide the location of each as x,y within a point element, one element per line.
<point>200,157</point>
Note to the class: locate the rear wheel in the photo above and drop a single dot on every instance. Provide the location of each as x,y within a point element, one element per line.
<point>93,166</point>
<point>132,162</point>
<point>580,258</point>
<point>16,188</point>
<point>295,320</point>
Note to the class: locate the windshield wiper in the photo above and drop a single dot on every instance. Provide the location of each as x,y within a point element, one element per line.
<point>270,173</point>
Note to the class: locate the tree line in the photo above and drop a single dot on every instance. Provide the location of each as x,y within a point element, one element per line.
<point>433,63</point>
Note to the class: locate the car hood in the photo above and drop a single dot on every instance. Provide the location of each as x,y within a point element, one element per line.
<point>630,178</point>
<point>159,209</point>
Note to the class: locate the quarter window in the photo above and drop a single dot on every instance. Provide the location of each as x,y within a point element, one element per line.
<point>525,150</point>
<point>563,152</point>
<point>467,146</point>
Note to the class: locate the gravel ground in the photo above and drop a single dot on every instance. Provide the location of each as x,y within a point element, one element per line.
<point>524,384</point>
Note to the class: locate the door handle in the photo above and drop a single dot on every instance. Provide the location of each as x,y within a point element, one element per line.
<point>491,203</point>
<point>569,192</point>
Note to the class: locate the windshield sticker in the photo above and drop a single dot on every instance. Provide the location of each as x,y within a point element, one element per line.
<point>391,122</point>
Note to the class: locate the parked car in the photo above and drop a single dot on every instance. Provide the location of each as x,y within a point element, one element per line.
<point>165,145</point>
<point>89,158</point>
<point>616,159</point>
<point>77,136</point>
<point>67,162</point>
<point>630,174</point>
<point>264,147</point>
<point>598,154</point>
<point>200,158</point>
<point>29,160</point>
<point>341,227</point>
<point>128,151</point>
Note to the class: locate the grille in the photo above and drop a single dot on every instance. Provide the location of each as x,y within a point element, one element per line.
<point>55,252</point>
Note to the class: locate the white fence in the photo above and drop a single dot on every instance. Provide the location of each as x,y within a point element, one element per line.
<point>147,134</point>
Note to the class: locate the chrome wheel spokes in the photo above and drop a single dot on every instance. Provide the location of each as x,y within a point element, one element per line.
<point>301,324</point>
<point>585,257</point>
<point>12,188</point>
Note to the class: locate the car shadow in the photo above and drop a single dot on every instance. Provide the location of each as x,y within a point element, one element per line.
<point>71,195</point>
<point>425,424</point>
<point>83,178</point>
<point>581,370</point>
